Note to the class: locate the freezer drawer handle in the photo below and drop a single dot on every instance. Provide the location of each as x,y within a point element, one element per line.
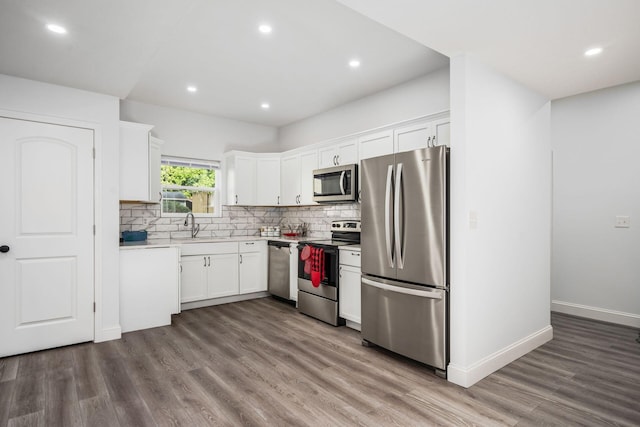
<point>400,290</point>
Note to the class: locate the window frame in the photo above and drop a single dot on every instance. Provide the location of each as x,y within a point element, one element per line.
<point>214,165</point>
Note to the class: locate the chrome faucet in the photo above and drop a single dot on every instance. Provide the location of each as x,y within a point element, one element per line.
<point>194,228</point>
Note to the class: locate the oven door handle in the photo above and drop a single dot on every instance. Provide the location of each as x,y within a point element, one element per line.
<point>401,290</point>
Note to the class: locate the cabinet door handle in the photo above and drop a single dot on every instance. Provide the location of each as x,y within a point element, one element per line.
<point>278,199</point>
<point>337,159</point>
<point>340,271</point>
<point>236,199</point>
<point>205,260</point>
<point>240,258</point>
<point>160,193</point>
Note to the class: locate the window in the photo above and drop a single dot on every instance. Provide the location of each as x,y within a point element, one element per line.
<point>190,185</point>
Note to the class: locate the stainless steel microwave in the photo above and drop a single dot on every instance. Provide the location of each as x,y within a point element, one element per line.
<point>336,184</point>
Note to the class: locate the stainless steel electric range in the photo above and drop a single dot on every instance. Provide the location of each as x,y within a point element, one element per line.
<point>319,278</point>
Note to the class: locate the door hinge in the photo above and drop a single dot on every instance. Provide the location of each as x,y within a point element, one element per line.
<point>94,307</point>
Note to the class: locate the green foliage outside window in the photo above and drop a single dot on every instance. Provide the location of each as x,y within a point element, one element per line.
<point>187,177</point>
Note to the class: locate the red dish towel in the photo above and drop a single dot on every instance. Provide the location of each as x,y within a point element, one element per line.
<point>305,255</point>
<point>317,266</point>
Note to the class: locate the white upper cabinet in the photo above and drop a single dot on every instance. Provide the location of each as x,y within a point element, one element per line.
<point>297,177</point>
<point>268,181</point>
<point>242,188</point>
<point>252,179</point>
<point>290,179</point>
<point>139,163</point>
<point>440,131</point>
<point>308,163</point>
<point>343,153</point>
<point>375,144</point>
<point>411,137</point>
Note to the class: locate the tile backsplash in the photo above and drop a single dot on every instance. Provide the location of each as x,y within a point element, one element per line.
<point>236,220</point>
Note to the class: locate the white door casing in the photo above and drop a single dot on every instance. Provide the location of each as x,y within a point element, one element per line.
<point>47,277</point>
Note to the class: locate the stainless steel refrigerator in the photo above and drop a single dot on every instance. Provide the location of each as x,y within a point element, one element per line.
<point>404,242</point>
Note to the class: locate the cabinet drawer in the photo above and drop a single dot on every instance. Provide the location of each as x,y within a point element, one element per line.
<point>348,257</point>
<point>257,246</point>
<point>209,248</point>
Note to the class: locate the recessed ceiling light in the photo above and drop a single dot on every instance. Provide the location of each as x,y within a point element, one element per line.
<point>265,29</point>
<point>192,89</point>
<point>56,29</point>
<point>354,63</point>
<point>265,106</point>
<point>593,51</point>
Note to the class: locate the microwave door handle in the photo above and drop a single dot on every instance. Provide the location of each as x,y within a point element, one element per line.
<point>342,175</point>
<point>397,218</point>
<point>387,214</point>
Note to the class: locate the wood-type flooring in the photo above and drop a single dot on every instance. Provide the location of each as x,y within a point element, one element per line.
<point>262,363</point>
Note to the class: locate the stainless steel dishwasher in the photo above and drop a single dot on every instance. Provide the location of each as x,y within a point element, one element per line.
<point>279,256</point>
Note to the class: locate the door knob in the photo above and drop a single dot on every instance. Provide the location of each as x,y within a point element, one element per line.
<point>4,249</point>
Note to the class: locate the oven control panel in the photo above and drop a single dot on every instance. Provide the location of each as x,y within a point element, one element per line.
<point>347,225</point>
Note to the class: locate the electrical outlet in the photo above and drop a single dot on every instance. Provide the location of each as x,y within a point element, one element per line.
<point>145,221</point>
<point>623,221</point>
<point>473,220</point>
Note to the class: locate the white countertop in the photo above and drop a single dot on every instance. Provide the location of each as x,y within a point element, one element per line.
<point>351,248</point>
<point>163,243</point>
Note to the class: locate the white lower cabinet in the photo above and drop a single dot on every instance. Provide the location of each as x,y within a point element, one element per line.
<point>193,278</point>
<point>349,304</point>
<point>253,266</point>
<point>215,270</point>
<point>149,287</point>
<point>222,277</point>
<point>209,276</point>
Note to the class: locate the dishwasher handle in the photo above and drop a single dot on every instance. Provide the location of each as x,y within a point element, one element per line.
<point>278,244</point>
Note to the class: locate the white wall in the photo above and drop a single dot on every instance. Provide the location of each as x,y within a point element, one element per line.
<point>596,174</point>
<point>189,134</point>
<point>501,176</point>
<point>419,97</point>
<point>54,104</point>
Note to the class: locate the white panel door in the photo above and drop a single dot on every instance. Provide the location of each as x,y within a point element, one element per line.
<point>375,144</point>
<point>290,180</point>
<point>193,278</point>
<point>413,137</point>
<point>245,181</point>
<point>46,221</point>
<point>308,163</point>
<point>222,275</point>
<point>268,185</point>
<point>252,274</point>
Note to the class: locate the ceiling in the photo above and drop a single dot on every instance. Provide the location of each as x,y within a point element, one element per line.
<point>151,50</point>
<point>540,43</point>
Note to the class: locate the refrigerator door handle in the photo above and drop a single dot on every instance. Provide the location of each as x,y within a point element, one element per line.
<point>387,213</point>
<point>342,175</point>
<point>397,218</point>
<point>407,291</point>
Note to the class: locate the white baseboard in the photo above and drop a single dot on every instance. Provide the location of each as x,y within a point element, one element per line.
<point>466,377</point>
<point>108,334</point>
<point>596,313</point>
<point>353,325</point>
<point>223,300</point>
